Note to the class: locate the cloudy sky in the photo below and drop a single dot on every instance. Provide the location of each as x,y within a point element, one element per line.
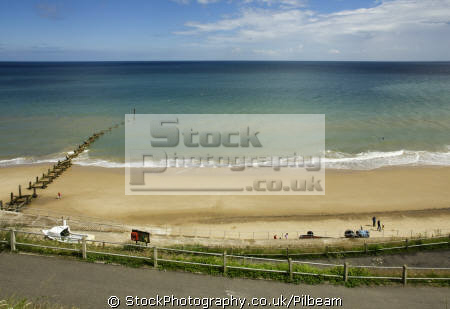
<point>225,30</point>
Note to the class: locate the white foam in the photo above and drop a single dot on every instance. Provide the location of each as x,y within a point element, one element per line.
<point>334,160</point>
<point>376,159</point>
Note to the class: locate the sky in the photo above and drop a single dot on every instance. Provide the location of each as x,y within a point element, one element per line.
<point>138,30</point>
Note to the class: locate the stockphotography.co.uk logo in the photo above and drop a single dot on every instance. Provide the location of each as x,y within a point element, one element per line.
<point>243,154</point>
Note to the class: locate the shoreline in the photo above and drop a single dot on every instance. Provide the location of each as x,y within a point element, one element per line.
<point>406,199</point>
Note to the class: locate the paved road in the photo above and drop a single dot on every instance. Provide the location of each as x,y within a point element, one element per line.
<point>88,285</point>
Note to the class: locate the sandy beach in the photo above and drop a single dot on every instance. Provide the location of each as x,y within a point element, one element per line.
<point>405,199</point>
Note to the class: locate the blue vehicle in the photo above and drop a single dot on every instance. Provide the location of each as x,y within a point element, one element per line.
<point>362,234</point>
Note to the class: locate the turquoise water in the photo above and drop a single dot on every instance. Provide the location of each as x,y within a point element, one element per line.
<point>377,114</point>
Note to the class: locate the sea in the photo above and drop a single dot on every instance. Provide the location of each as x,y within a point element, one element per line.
<point>378,114</point>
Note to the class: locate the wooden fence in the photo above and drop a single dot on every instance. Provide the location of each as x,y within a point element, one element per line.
<point>289,262</point>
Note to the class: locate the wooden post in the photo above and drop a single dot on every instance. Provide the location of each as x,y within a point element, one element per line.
<point>345,272</point>
<point>37,179</point>
<point>34,193</point>
<point>1,205</point>
<point>29,185</point>
<point>155,257</point>
<point>406,243</point>
<point>225,262</point>
<point>12,197</point>
<point>20,191</point>
<point>83,248</point>
<point>291,275</point>
<point>12,240</point>
<point>287,253</point>
<point>366,249</point>
<point>326,249</point>
<point>405,274</point>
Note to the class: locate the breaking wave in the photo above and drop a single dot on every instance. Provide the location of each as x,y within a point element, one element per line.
<point>333,160</point>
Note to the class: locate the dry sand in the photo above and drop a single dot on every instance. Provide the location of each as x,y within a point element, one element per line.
<point>406,199</point>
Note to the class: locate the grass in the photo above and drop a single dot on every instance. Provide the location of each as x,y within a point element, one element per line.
<point>23,303</point>
<point>302,253</point>
<point>147,261</point>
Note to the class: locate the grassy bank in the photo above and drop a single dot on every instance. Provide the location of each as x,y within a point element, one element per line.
<point>212,263</point>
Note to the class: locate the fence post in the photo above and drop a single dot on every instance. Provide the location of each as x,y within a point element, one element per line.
<point>12,240</point>
<point>406,243</point>
<point>1,205</point>
<point>225,262</point>
<point>155,257</point>
<point>345,272</point>
<point>83,248</point>
<point>405,274</point>
<point>291,275</point>
<point>366,249</point>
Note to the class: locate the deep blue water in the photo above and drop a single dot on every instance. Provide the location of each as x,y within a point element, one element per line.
<point>377,113</point>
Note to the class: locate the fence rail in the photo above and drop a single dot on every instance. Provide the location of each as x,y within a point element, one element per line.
<point>289,272</point>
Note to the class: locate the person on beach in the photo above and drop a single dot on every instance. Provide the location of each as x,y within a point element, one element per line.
<point>275,236</point>
<point>374,220</point>
<point>379,225</point>
<point>286,236</point>
<point>59,196</point>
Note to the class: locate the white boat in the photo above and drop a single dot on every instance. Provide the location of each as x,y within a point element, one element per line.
<point>62,233</point>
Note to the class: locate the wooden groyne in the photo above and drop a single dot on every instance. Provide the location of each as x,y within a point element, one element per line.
<point>17,202</point>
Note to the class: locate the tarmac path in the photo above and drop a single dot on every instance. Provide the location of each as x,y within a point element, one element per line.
<point>89,285</point>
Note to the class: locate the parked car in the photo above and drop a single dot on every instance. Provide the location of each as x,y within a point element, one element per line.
<point>309,234</point>
<point>349,234</point>
<point>363,234</point>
